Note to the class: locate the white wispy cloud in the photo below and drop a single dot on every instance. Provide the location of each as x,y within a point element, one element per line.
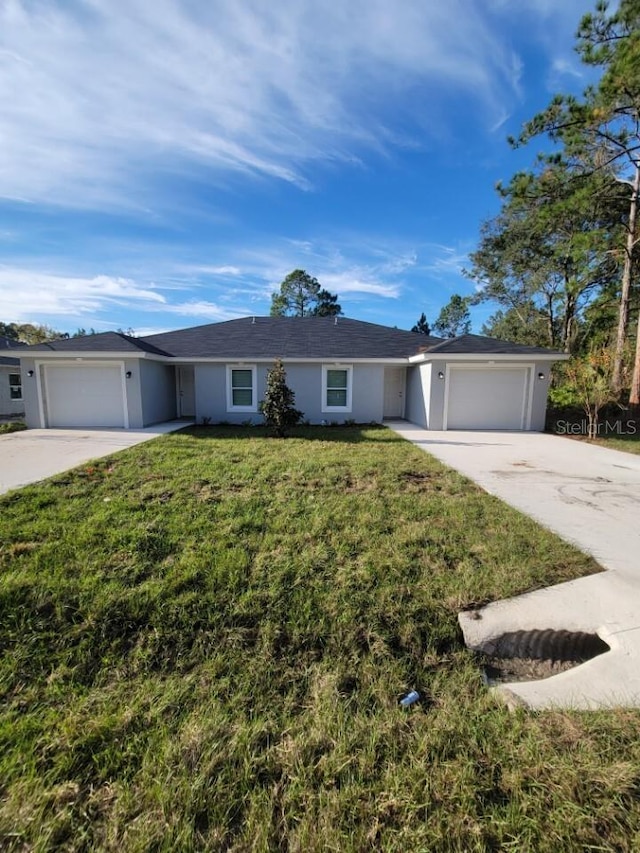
<point>563,67</point>
<point>567,10</point>
<point>349,265</point>
<point>100,97</point>
<point>202,309</point>
<point>440,261</point>
<point>360,281</point>
<point>549,22</point>
<point>27,294</point>
<point>24,292</point>
<point>223,271</point>
<point>367,271</point>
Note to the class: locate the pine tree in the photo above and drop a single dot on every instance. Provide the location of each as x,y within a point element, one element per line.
<point>327,305</point>
<point>604,126</point>
<point>278,404</point>
<point>300,295</point>
<point>422,326</point>
<point>454,319</point>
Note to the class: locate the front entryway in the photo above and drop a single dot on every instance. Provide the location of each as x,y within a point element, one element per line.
<point>186,393</point>
<point>394,381</point>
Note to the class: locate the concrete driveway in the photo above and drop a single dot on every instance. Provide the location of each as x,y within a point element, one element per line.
<point>590,496</point>
<point>35,454</point>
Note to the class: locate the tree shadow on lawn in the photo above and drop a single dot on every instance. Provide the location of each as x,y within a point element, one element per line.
<point>337,433</point>
<point>343,434</point>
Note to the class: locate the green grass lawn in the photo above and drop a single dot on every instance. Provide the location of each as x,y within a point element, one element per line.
<point>628,443</point>
<point>618,428</point>
<point>204,640</point>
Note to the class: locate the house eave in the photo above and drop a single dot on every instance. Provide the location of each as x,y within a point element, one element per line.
<point>288,359</point>
<point>92,355</point>
<point>424,357</point>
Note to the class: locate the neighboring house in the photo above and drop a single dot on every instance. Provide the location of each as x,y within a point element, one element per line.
<point>340,369</point>
<point>11,404</point>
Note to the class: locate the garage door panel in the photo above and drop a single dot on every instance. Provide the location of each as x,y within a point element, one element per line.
<point>487,398</point>
<point>84,396</point>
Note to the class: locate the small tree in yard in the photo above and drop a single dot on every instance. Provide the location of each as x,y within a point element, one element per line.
<point>278,404</point>
<point>588,380</point>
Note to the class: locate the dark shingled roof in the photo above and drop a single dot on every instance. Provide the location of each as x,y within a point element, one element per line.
<point>291,337</point>
<point>479,345</point>
<point>9,343</point>
<point>104,342</point>
<point>286,337</point>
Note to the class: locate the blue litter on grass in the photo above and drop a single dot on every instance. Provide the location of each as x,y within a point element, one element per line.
<point>410,699</point>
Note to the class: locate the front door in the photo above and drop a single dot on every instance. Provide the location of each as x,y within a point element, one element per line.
<point>394,392</point>
<point>186,393</point>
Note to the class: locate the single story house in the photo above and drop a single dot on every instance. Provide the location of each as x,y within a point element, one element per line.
<point>11,404</point>
<point>340,369</point>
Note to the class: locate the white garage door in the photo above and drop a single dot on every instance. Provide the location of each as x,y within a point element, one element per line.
<point>84,396</point>
<point>487,398</point>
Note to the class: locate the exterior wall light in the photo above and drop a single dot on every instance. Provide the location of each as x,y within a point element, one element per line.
<point>30,373</point>
<point>541,375</point>
<point>440,375</point>
<point>128,374</point>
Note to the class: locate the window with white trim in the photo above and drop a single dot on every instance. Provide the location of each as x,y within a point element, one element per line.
<point>336,388</point>
<point>241,389</point>
<point>15,386</point>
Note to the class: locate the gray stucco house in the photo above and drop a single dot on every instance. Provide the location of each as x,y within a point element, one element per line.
<point>11,404</point>
<point>340,369</point>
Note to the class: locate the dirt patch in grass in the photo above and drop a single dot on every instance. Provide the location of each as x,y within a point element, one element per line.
<point>499,670</point>
<point>537,654</point>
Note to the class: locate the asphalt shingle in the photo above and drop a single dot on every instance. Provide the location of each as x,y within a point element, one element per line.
<point>479,345</point>
<point>291,337</point>
<point>9,344</point>
<point>102,343</point>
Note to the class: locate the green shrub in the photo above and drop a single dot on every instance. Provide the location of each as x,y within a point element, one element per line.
<point>16,426</point>
<point>278,404</point>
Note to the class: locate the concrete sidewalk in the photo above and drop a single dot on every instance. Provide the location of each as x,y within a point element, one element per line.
<point>590,496</point>
<point>35,454</point>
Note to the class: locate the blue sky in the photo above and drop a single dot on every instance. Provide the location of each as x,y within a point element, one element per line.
<point>166,164</point>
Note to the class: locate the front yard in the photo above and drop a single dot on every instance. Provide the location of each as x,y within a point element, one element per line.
<point>204,640</point>
<point>628,443</point>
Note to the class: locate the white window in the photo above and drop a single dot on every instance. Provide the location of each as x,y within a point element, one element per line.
<point>336,388</point>
<point>15,386</point>
<point>241,389</point>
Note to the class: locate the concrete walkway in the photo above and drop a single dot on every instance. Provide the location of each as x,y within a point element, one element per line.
<point>590,496</point>
<point>35,454</point>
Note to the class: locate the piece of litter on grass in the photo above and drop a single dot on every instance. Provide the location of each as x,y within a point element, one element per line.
<point>410,698</point>
<point>106,500</point>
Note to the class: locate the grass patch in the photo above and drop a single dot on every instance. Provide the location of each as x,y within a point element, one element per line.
<point>618,428</point>
<point>628,443</point>
<point>12,426</point>
<point>204,639</point>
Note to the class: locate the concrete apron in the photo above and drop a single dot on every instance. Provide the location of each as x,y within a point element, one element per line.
<point>35,454</point>
<point>607,604</point>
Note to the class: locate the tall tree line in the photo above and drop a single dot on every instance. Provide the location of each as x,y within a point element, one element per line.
<point>561,257</point>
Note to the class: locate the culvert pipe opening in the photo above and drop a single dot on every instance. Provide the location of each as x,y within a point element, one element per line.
<point>537,654</point>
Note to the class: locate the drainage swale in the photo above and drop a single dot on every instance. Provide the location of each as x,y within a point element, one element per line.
<point>537,654</point>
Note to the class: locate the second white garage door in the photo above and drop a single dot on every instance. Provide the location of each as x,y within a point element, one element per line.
<point>84,396</point>
<point>488,398</point>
